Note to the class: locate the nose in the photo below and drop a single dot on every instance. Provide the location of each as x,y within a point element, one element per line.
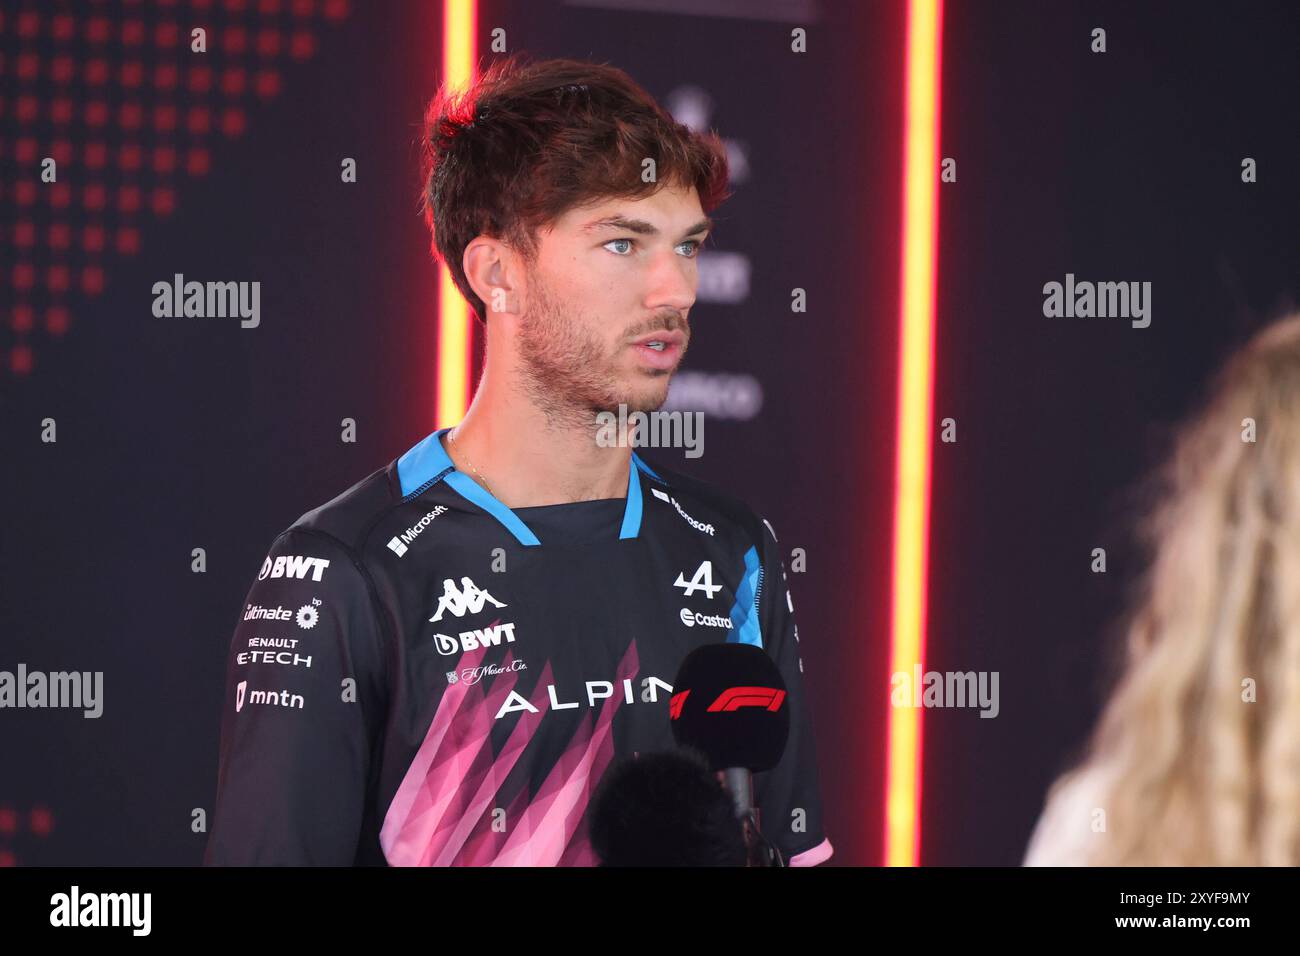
<point>672,283</point>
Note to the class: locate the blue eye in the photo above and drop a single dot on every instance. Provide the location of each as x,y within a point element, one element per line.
<point>694,245</point>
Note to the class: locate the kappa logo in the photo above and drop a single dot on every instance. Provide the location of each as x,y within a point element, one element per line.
<point>293,566</point>
<point>703,581</point>
<point>468,599</point>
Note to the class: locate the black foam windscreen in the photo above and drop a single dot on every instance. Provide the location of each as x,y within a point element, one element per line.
<point>730,703</point>
<point>664,809</point>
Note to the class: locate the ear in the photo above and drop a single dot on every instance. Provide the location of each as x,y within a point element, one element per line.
<point>492,270</point>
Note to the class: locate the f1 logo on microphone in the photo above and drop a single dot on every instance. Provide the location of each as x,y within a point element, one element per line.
<point>675,705</point>
<point>736,698</point>
<point>732,699</point>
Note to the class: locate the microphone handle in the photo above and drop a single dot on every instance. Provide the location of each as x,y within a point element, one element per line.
<point>739,782</point>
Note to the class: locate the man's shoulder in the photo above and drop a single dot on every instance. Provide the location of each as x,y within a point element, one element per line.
<point>349,516</point>
<point>703,496</point>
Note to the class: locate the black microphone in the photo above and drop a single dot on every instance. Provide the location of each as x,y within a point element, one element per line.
<point>664,809</point>
<point>729,702</point>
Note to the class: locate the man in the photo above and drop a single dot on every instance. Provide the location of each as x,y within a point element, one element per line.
<point>436,667</point>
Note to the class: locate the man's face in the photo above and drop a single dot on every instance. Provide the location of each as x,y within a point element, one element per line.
<point>608,279</point>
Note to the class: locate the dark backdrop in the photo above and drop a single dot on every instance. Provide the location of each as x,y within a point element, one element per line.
<point>177,434</point>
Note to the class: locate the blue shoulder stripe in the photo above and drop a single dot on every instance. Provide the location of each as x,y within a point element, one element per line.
<point>744,615</point>
<point>428,461</point>
<point>646,468</point>
<point>632,510</point>
<point>423,462</point>
<point>471,489</point>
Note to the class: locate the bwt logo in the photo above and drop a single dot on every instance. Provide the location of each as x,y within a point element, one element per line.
<point>472,640</point>
<point>293,566</point>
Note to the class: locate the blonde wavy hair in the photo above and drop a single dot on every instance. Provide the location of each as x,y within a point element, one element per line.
<point>1196,773</point>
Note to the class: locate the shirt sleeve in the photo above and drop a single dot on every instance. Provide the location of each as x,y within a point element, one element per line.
<point>789,795</point>
<point>302,708</point>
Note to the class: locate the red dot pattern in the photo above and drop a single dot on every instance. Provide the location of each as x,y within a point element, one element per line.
<point>36,822</point>
<point>113,93</point>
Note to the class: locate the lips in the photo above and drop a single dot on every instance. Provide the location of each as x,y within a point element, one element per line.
<point>666,352</point>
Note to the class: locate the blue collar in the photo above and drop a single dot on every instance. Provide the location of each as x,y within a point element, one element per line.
<point>428,462</point>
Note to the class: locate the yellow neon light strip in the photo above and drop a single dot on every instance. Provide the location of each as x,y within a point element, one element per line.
<point>459,26</point>
<point>915,398</point>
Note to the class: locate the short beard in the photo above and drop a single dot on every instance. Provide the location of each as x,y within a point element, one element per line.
<point>565,371</point>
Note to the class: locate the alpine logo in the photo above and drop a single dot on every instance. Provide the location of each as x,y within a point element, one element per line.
<point>399,542</point>
<point>697,525</point>
<point>489,636</point>
<point>596,691</point>
<point>703,581</point>
<point>468,599</point>
<point>293,566</point>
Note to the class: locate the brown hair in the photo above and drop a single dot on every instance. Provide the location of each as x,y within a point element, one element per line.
<point>529,141</point>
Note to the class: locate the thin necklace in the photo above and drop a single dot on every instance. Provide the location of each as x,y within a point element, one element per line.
<point>451,435</point>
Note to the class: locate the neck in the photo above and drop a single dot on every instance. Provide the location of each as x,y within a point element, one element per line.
<point>530,455</point>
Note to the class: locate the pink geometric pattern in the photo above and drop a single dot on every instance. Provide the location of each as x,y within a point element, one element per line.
<point>451,796</point>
